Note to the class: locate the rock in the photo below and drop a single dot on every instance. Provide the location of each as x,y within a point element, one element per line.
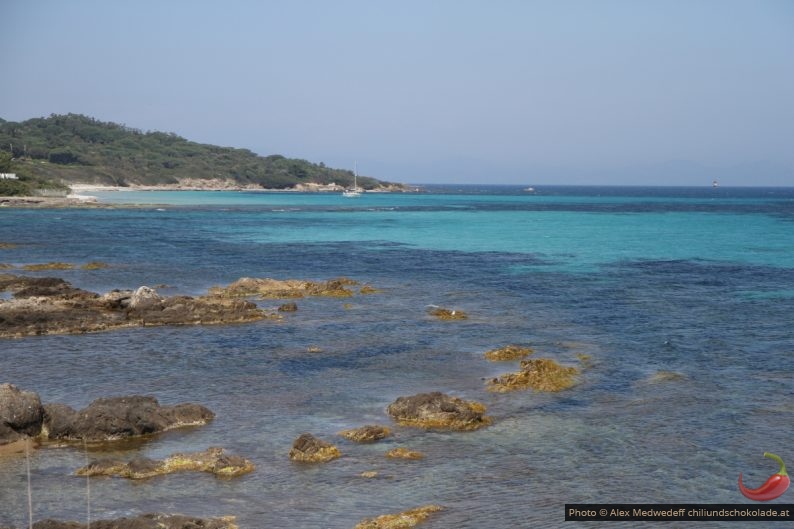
<point>21,414</point>
<point>314,349</point>
<point>369,474</point>
<point>288,307</point>
<point>53,306</point>
<point>212,460</point>
<point>145,298</point>
<point>540,374</point>
<point>366,289</point>
<point>309,449</point>
<point>6,266</point>
<point>27,287</point>
<point>448,314</point>
<point>665,376</point>
<point>116,418</point>
<point>146,521</point>
<point>437,410</point>
<point>366,434</point>
<point>290,288</point>
<point>404,453</point>
<point>95,265</point>
<point>48,266</point>
<point>7,245</point>
<point>509,352</point>
<point>403,520</point>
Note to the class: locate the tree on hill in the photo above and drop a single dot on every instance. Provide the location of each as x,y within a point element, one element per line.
<point>76,148</point>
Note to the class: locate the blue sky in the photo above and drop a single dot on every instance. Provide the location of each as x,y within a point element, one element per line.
<point>527,92</point>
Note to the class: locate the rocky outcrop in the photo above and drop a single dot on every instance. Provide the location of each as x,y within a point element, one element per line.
<point>53,306</point>
<point>21,414</point>
<point>116,418</point>
<point>289,288</point>
<point>212,460</point>
<point>437,410</point>
<point>404,453</point>
<point>145,521</point>
<point>448,314</point>
<point>403,520</point>
<point>309,449</point>
<point>509,352</point>
<point>288,307</point>
<point>367,434</point>
<point>540,374</point>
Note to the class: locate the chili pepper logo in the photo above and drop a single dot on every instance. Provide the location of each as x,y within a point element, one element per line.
<point>774,486</point>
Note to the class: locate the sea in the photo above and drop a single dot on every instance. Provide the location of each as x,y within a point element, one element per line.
<point>680,299</point>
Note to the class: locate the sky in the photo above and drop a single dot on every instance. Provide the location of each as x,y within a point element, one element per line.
<point>637,92</point>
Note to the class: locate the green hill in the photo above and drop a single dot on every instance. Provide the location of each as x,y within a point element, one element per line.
<point>73,148</point>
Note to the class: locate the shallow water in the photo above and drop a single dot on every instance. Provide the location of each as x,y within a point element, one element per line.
<point>694,281</point>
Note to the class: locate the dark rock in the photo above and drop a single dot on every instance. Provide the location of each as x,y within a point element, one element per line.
<point>114,418</point>
<point>146,521</point>
<point>53,306</point>
<point>367,434</point>
<point>288,307</point>
<point>309,449</point>
<point>60,421</point>
<point>21,414</point>
<point>26,287</point>
<point>437,410</point>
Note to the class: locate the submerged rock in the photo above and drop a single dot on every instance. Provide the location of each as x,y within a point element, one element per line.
<point>289,288</point>
<point>53,306</point>
<point>448,314</point>
<point>665,376</point>
<point>367,434</point>
<point>212,460</point>
<point>95,265</point>
<point>540,374</point>
<point>7,245</point>
<point>21,414</point>
<point>48,266</point>
<point>114,418</point>
<point>508,352</point>
<point>309,449</point>
<point>288,307</point>
<point>403,520</point>
<point>437,410</point>
<point>146,521</point>
<point>404,453</point>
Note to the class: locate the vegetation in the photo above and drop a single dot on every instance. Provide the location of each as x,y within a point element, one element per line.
<point>73,148</point>
<point>26,184</point>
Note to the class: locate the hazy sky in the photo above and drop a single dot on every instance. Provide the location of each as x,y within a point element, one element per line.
<point>528,92</point>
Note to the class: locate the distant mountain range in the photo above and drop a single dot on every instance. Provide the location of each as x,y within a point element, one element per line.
<point>73,148</point>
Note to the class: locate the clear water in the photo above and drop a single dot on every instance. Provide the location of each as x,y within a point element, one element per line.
<point>696,281</point>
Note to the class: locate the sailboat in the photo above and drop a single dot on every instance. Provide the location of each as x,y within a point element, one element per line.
<point>353,192</point>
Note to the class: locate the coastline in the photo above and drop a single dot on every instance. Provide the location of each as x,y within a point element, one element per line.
<point>191,184</point>
<point>80,197</point>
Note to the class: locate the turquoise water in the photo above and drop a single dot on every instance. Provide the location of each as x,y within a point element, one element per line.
<point>693,281</point>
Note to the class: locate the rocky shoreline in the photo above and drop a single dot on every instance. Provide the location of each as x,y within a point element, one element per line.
<point>52,305</point>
